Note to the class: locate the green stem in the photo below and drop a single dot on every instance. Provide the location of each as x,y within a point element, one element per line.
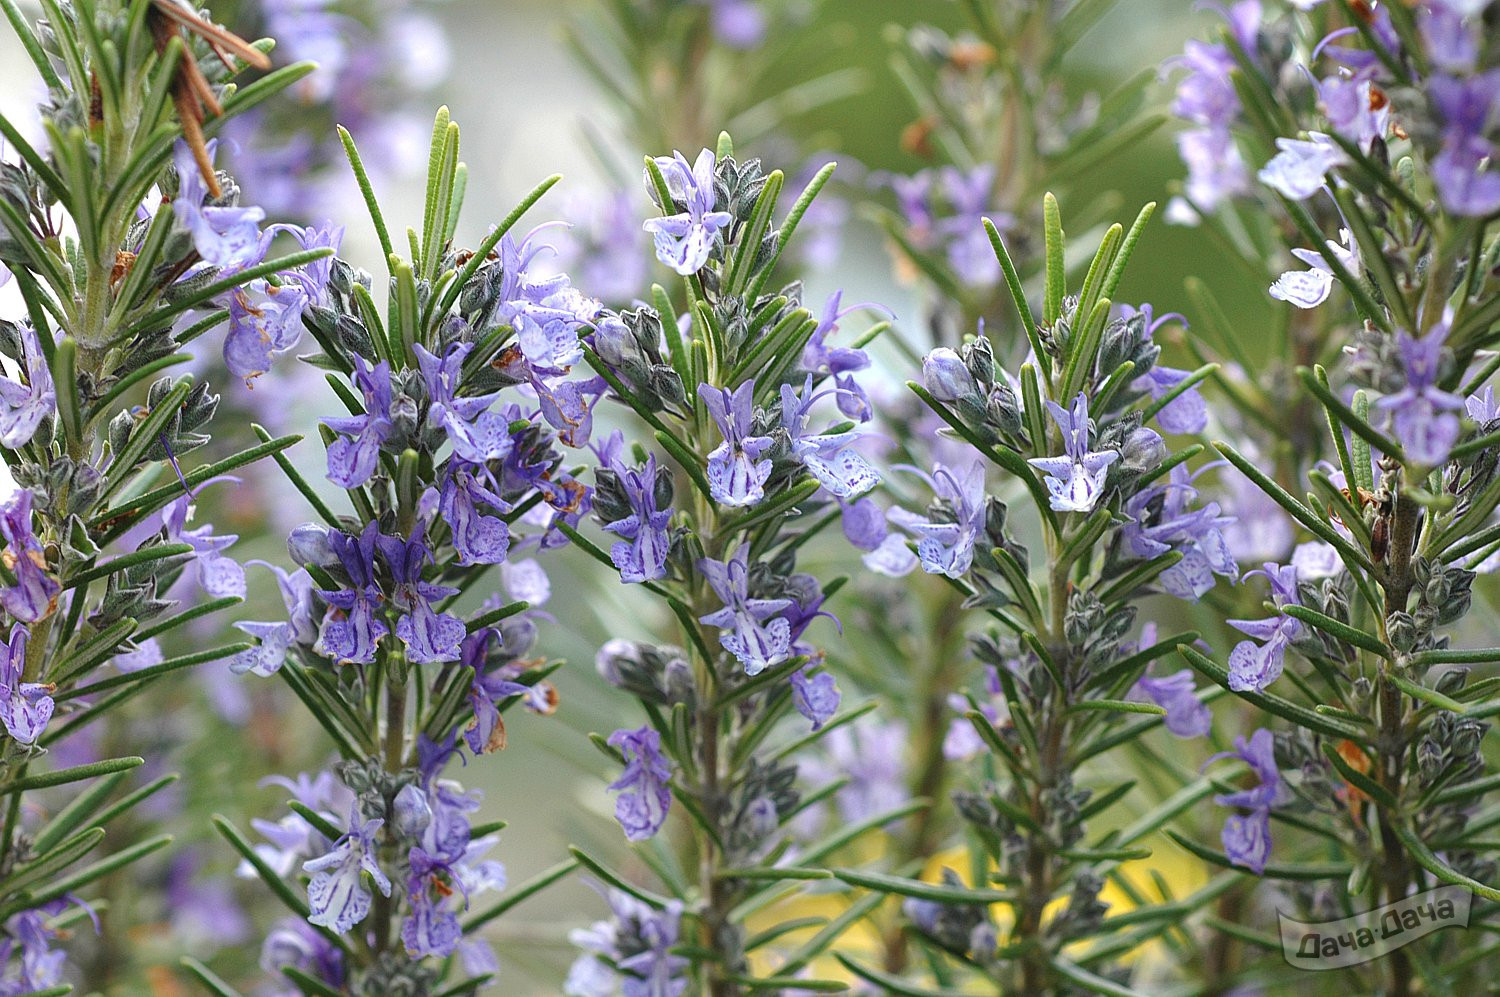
<point>1037,875</point>
<point>394,761</point>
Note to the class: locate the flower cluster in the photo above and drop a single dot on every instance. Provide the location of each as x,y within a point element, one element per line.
<point>97,431</point>
<point>452,445</point>
<point>1118,520</point>
<point>1383,129</point>
<point>760,455</point>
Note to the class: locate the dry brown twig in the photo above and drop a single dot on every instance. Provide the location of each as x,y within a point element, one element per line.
<point>192,94</point>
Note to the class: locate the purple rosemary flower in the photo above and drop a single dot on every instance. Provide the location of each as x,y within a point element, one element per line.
<point>945,541</point>
<point>32,597</point>
<point>477,538</point>
<point>1075,479</point>
<point>839,362</point>
<point>807,605</point>
<point>1464,171</point>
<point>447,834</point>
<point>477,435</point>
<point>1162,521</point>
<point>1315,559</point>
<point>1300,169</point>
<point>526,581</point>
<point>1449,39</point>
<point>351,628</point>
<point>736,474</point>
<point>816,697</point>
<point>1206,93</point>
<point>1187,716</point>
<point>1310,288</point>
<point>1424,417</point>
<point>227,237</point>
<point>314,30</point>
<point>969,194</point>
<point>1187,413</point>
<point>269,325</point>
<point>430,636</point>
<point>547,330</point>
<point>38,967</point>
<point>1255,666</point>
<point>829,457</point>
<point>353,457</point>
<point>292,840</point>
<point>24,404</point>
<point>1482,407</point>
<point>490,687</point>
<point>1355,108</point>
<point>684,241</point>
<point>913,202</point>
<point>25,707</point>
<point>630,954</point>
<point>430,928</point>
<point>276,639</point>
<point>337,893</point>
<point>437,888</point>
<point>219,575</point>
<point>1206,96</point>
<point>641,553</point>
<point>568,406</point>
<point>1247,836</point>
<point>545,309</point>
<point>1261,531</point>
<point>645,796</point>
<point>1216,171</point>
<point>746,626</point>
<point>886,553</point>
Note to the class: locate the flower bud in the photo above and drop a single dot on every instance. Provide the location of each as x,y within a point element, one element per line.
<point>308,544</point>
<point>614,342</point>
<point>1402,630</point>
<point>947,378</point>
<point>983,941</point>
<point>517,635</point>
<point>760,819</point>
<point>611,656</point>
<point>1429,759</point>
<point>979,358</point>
<point>411,812</point>
<point>1466,738</point>
<point>1143,450</point>
<point>1004,410</point>
<point>1451,681</point>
